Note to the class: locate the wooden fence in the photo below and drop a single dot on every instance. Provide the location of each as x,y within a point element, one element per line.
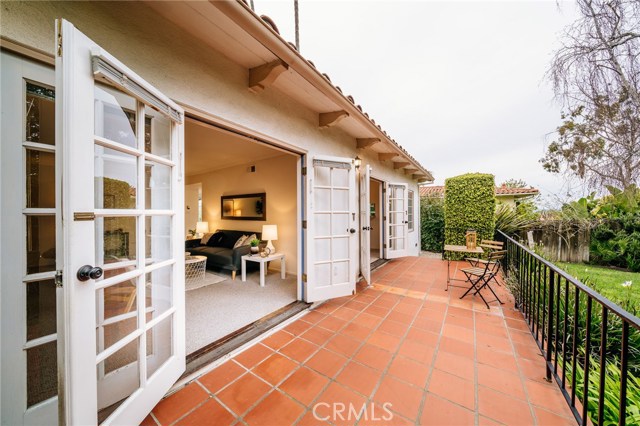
<point>560,242</point>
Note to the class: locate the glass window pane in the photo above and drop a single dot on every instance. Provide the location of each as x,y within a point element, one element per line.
<point>40,170</point>
<point>113,333</point>
<point>157,178</point>
<point>42,373</point>
<point>115,115</point>
<point>41,309</point>
<point>41,244</point>
<point>159,345</point>
<point>118,299</point>
<point>116,239</point>
<point>40,114</point>
<point>157,134</point>
<point>116,179</point>
<point>159,291</point>
<point>158,238</point>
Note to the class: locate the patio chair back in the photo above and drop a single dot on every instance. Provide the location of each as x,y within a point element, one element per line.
<point>491,245</point>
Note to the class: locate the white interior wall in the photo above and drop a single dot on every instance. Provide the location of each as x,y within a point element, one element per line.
<point>277,178</point>
<point>191,211</point>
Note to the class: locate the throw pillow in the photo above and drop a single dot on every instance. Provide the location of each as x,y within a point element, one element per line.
<point>251,238</point>
<point>215,239</point>
<point>240,241</point>
<point>205,238</point>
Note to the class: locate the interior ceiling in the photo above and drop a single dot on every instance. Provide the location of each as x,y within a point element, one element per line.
<point>208,149</point>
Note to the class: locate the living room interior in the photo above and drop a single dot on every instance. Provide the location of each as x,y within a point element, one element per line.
<point>239,193</point>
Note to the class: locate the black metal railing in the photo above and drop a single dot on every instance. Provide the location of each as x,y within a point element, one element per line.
<point>594,370</point>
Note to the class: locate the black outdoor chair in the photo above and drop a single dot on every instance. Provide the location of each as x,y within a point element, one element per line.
<point>489,246</point>
<point>480,276</point>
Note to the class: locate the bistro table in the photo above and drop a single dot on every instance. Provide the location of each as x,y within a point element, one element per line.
<point>448,249</point>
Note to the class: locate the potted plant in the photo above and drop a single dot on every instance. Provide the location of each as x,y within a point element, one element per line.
<point>254,245</point>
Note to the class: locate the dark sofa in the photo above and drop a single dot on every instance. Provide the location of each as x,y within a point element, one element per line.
<point>220,253</point>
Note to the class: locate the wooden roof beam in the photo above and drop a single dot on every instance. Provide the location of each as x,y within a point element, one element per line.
<point>328,119</point>
<point>265,75</point>
<point>385,156</point>
<point>410,170</point>
<point>400,164</point>
<point>366,142</point>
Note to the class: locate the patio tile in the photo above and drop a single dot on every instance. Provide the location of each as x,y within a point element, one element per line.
<point>275,409</point>
<point>253,355</point>
<point>149,421</point>
<point>405,341</point>
<point>503,408</point>
<point>299,350</point>
<point>359,378</point>
<point>221,376</point>
<point>373,356</point>
<point>405,399</point>
<point>343,345</point>
<point>453,388</point>
<point>439,412</point>
<point>410,371</point>
<point>278,339</point>
<point>208,413</point>
<point>275,368</point>
<point>317,335</point>
<point>327,362</point>
<point>500,380</point>
<point>304,385</point>
<point>243,393</point>
<point>180,403</point>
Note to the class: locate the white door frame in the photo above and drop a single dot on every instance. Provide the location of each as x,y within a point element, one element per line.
<point>365,222</point>
<point>397,245</point>
<point>77,61</point>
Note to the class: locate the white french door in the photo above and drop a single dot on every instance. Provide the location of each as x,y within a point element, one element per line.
<point>331,229</point>
<point>122,203</point>
<point>397,221</point>
<point>365,223</point>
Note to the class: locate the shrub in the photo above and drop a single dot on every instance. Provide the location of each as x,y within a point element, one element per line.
<point>511,221</point>
<point>469,203</point>
<point>616,242</point>
<point>432,224</point>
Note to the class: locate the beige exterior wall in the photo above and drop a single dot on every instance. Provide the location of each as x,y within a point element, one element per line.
<point>191,73</point>
<point>274,176</point>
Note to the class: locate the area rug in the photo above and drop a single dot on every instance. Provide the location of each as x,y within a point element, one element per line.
<point>209,278</point>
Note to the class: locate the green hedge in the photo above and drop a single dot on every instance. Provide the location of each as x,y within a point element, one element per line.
<point>432,224</point>
<point>469,203</point>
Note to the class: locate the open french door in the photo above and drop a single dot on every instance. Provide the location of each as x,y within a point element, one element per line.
<point>365,223</point>
<point>397,221</point>
<point>122,213</point>
<point>333,244</point>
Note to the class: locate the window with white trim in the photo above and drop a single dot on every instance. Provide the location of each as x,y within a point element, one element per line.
<point>410,217</point>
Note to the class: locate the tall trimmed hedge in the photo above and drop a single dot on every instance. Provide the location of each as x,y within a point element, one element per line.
<point>469,203</point>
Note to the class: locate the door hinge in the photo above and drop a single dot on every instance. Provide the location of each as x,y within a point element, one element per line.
<point>304,278</point>
<point>58,279</point>
<point>304,171</point>
<point>304,224</point>
<point>59,49</point>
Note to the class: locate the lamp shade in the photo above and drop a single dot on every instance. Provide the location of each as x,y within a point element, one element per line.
<point>269,232</point>
<point>202,227</point>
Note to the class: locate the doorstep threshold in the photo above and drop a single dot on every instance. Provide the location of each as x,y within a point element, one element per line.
<point>223,346</point>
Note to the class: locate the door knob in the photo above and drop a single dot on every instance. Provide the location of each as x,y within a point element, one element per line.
<point>353,231</point>
<point>87,272</point>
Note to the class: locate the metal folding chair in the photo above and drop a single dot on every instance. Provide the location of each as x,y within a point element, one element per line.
<point>489,246</point>
<point>480,276</point>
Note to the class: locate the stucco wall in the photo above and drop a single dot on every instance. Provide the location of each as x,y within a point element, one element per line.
<point>189,72</point>
<point>274,176</point>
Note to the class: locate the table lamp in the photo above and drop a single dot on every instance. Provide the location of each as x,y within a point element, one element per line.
<point>270,232</point>
<point>202,228</point>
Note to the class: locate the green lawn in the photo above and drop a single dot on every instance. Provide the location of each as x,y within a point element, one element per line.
<point>608,282</point>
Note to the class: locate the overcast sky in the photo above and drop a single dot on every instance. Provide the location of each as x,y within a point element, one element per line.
<point>459,84</point>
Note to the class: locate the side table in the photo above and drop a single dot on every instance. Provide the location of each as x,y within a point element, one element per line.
<point>262,260</point>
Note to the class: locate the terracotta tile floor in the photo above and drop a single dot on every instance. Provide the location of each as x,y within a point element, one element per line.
<point>403,351</point>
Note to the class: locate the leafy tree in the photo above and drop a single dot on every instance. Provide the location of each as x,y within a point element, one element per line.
<point>514,183</point>
<point>596,76</point>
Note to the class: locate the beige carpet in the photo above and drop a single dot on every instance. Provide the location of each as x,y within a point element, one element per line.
<point>214,311</point>
<point>210,278</point>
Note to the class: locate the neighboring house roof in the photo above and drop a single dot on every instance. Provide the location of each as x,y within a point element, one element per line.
<point>261,48</point>
<point>501,191</point>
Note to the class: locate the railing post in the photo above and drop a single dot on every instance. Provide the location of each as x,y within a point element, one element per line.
<point>550,323</point>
